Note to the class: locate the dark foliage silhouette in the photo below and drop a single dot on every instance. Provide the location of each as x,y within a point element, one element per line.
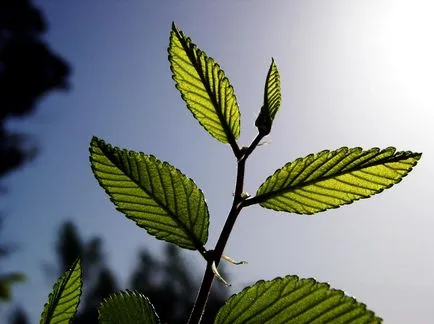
<point>167,282</point>
<point>18,316</point>
<point>170,287</point>
<point>29,69</point>
<point>98,280</point>
<point>7,279</point>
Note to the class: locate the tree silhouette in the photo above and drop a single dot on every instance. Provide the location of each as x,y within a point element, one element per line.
<point>98,280</point>
<point>171,288</point>
<point>18,316</point>
<point>29,69</point>
<point>101,289</point>
<point>168,283</point>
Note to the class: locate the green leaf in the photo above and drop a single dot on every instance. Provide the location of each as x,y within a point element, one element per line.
<point>65,297</point>
<point>272,99</point>
<point>152,193</point>
<point>330,179</point>
<point>293,300</point>
<point>204,88</point>
<point>127,307</point>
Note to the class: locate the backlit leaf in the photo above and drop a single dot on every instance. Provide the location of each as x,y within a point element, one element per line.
<point>293,300</point>
<point>330,179</point>
<point>152,193</point>
<point>272,99</point>
<point>127,307</point>
<point>204,88</point>
<point>64,298</point>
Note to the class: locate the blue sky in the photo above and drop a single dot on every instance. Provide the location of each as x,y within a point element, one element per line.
<point>353,74</point>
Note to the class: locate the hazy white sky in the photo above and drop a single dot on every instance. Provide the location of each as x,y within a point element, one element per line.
<point>354,73</point>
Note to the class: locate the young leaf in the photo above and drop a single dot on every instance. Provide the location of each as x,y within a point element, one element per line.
<point>127,307</point>
<point>65,297</point>
<point>330,179</point>
<point>152,193</point>
<point>272,99</point>
<point>293,300</point>
<point>204,88</point>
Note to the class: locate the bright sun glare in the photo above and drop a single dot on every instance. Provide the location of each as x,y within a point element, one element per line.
<point>405,39</point>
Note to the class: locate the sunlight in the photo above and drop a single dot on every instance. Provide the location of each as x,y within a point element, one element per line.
<point>405,43</point>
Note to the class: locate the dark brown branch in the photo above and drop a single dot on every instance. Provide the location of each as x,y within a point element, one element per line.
<point>205,288</point>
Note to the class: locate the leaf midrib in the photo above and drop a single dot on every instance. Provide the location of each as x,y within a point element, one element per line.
<point>58,293</point>
<point>196,242</point>
<point>190,53</point>
<point>275,78</point>
<point>266,196</point>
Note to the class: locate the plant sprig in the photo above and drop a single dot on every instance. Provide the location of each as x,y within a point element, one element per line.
<point>168,205</point>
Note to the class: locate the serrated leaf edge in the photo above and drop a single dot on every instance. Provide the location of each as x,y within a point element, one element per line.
<point>62,281</point>
<point>186,42</point>
<point>267,82</point>
<point>260,198</point>
<point>299,279</point>
<point>128,293</point>
<point>198,245</point>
